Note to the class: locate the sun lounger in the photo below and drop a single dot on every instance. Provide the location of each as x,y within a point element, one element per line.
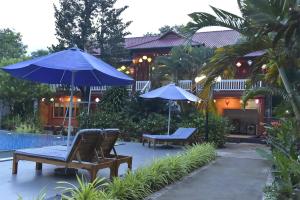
<point>108,150</point>
<point>83,153</point>
<point>181,135</point>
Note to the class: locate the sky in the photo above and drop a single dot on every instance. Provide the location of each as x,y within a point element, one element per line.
<point>34,19</point>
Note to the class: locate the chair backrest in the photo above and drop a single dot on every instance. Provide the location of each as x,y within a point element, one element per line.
<point>183,133</point>
<point>85,144</point>
<point>110,137</point>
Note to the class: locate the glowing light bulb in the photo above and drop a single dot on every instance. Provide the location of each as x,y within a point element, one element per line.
<point>218,79</point>
<point>123,67</point>
<point>199,78</point>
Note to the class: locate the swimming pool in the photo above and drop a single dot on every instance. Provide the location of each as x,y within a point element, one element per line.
<point>13,141</point>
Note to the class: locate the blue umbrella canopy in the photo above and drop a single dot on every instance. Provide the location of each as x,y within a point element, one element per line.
<point>171,92</point>
<point>72,67</point>
<point>57,68</point>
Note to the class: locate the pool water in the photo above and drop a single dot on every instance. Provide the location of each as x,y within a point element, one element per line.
<point>13,141</point>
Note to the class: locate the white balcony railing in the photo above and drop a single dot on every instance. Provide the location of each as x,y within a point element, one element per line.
<point>99,88</point>
<point>103,88</point>
<point>186,84</point>
<point>233,84</point>
<point>230,85</point>
<point>142,86</point>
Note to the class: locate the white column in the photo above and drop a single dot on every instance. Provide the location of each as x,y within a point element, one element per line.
<point>169,120</point>
<point>70,111</point>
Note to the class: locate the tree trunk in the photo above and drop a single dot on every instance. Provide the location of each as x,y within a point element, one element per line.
<point>291,94</point>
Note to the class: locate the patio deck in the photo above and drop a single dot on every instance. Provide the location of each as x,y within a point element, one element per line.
<point>29,182</point>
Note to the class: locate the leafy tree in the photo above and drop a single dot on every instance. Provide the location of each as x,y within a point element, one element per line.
<point>111,32</point>
<point>39,53</point>
<point>176,28</point>
<point>18,94</point>
<point>74,23</point>
<point>166,28</point>
<point>15,93</point>
<point>11,45</point>
<point>92,25</point>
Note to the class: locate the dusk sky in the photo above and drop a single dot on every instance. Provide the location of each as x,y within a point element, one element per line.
<point>34,19</point>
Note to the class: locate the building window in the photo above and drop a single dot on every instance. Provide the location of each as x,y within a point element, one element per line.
<point>60,109</point>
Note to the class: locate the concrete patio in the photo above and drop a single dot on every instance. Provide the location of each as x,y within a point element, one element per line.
<point>29,182</point>
<point>238,173</point>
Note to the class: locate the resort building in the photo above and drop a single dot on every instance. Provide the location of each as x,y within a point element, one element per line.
<point>143,50</point>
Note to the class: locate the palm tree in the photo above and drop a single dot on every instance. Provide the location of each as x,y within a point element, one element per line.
<point>183,62</point>
<point>173,64</point>
<point>273,25</point>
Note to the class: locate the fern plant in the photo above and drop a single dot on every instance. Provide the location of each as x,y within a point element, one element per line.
<point>85,190</point>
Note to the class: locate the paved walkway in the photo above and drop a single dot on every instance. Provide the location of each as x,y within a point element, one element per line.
<point>238,173</point>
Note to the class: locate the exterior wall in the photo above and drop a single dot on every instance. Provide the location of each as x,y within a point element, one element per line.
<point>227,103</point>
<point>47,112</point>
<point>252,114</point>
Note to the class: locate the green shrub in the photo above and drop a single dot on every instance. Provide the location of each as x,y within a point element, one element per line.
<point>29,124</point>
<point>218,127</point>
<point>27,128</point>
<point>153,123</point>
<point>142,182</point>
<point>271,192</point>
<point>114,99</point>
<point>85,190</point>
<point>284,140</point>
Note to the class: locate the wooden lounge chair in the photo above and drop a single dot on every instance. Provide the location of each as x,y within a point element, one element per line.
<point>181,135</point>
<point>108,150</point>
<point>83,154</point>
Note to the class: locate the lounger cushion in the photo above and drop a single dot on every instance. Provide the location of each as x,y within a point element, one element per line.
<point>183,133</point>
<point>157,136</point>
<point>57,152</point>
<point>180,134</point>
<point>53,152</point>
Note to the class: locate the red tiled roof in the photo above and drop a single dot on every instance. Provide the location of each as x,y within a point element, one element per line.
<point>171,39</point>
<point>217,38</point>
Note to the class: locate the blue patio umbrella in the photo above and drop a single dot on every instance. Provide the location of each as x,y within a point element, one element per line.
<point>170,92</point>
<point>72,67</point>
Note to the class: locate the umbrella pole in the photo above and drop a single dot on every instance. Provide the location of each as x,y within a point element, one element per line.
<point>169,120</point>
<point>89,104</point>
<point>70,111</point>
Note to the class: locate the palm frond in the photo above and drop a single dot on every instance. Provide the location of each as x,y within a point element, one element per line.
<point>252,93</point>
<point>225,19</point>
